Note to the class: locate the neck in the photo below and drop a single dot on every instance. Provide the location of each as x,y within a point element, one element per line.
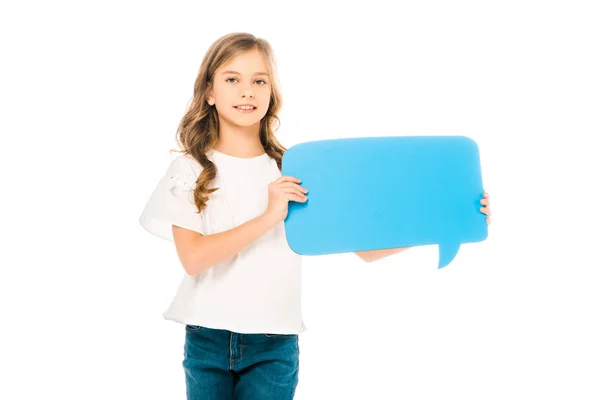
<point>239,141</point>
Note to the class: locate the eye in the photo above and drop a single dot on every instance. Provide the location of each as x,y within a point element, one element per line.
<point>258,80</point>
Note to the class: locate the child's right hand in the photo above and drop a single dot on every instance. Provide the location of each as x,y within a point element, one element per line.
<point>281,191</point>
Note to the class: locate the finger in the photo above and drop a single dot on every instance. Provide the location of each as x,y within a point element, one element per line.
<point>287,178</point>
<point>296,197</point>
<point>485,202</point>
<point>484,210</point>
<point>485,195</point>
<point>294,185</point>
<point>293,190</point>
<point>488,220</point>
<point>291,186</point>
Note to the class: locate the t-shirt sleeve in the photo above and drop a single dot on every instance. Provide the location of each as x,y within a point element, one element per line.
<point>172,202</point>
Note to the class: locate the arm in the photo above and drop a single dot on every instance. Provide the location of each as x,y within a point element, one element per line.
<point>199,252</point>
<point>374,255</point>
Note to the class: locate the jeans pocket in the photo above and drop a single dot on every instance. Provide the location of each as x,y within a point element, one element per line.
<point>193,328</point>
<point>280,335</point>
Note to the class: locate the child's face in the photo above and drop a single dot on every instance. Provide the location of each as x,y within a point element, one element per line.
<point>247,86</point>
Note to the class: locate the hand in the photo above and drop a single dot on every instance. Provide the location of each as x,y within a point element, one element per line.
<point>486,207</point>
<point>281,191</point>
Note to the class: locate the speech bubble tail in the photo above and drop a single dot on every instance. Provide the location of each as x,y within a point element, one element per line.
<point>447,253</point>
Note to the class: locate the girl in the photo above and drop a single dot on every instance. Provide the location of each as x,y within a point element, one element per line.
<point>223,203</point>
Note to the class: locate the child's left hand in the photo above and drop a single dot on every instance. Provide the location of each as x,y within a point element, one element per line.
<point>486,207</point>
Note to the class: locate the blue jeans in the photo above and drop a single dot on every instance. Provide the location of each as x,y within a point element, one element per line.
<point>224,365</point>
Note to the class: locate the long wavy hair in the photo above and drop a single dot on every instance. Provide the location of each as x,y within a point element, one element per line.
<point>198,130</point>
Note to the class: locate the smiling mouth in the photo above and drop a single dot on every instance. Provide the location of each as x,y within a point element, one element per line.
<point>245,110</point>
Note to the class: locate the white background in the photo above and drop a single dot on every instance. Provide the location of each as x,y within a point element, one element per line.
<point>91,95</point>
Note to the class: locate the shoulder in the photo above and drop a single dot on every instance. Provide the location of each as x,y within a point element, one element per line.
<point>185,164</point>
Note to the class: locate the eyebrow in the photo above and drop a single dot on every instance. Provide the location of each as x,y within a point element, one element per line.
<point>237,73</point>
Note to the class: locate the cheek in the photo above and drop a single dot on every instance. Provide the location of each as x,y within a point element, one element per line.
<point>224,102</point>
<point>222,93</point>
<point>266,100</point>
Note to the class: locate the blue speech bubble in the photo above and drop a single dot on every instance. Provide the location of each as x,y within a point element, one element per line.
<point>386,192</point>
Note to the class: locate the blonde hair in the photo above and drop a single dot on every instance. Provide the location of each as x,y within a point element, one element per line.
<point>198,130</point>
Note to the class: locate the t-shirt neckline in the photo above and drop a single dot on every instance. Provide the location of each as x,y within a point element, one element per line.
<point>247,159</point>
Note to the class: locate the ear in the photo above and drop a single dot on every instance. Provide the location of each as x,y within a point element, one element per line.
<point>209,96</point>
<point>210,100</point>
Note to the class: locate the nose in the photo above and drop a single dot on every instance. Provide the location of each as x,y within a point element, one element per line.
<point>247,93</point>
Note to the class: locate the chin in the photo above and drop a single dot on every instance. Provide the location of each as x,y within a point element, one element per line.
<point>248,121</point>
<point>245,123</point>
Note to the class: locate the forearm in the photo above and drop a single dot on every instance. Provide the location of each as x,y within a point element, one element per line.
<point>374,255</point>
<point>210,250</point>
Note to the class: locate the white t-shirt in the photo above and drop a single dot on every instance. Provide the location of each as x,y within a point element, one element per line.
<point>259,289</point>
